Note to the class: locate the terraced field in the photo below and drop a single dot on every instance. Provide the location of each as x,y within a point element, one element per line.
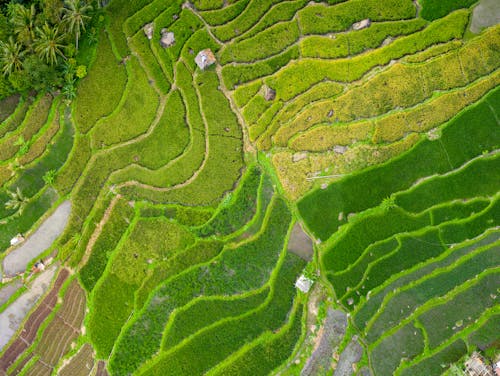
<point>373,124</point>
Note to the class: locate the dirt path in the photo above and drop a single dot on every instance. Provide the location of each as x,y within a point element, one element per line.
<point>13,316</point>
<point>17,260</point>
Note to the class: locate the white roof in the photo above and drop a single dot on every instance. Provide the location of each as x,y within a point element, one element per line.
<point>304,284</point>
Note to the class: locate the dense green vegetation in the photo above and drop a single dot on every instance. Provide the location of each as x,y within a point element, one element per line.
<point>190,188</point>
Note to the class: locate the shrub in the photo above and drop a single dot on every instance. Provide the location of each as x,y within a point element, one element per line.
<point>432,10</point>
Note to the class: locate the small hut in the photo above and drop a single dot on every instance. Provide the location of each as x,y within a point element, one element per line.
<point>205,58</point>
<point>167,38</point>
<point>16,240</point>
<point>362,24</point>
<point>148,30</point>
<point>476,366</point>
<point>304,284</point>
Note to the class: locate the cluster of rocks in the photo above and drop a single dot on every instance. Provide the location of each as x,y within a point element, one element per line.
<point>204,59</point>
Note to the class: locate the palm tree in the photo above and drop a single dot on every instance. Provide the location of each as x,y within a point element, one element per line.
<point>48,44</point>
<point>23,20</point>
<point>17,201</point>
<point>75,16</point>
<point>11,56</point>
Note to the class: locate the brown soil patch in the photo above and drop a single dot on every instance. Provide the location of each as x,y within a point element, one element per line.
<point>300,243</point>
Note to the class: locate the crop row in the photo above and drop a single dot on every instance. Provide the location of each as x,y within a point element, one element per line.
<point>234,271</point>
<point>366,189</point>
<point>81,364</point>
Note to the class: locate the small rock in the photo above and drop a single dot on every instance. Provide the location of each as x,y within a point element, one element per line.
<point>148,30</point>
<point>226,129</point>
<point>205,58</point>
<point>330,114</point>
<point>175,17</point>
<point>299,156</point>
<point>341,216</point>
<point>269,93</point>
<point>361,24</point>
<point>167,38</point>
<point>350,301</point>
<point>339,149</point>
<point>324,185</point>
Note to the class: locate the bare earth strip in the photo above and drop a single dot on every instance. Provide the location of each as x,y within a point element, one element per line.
<point>17,260</point>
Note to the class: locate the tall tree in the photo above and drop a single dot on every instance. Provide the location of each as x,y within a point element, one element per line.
<point>75,14</point>
<point>48,43</point>
<point>24,21</point>
<point>11,56</point>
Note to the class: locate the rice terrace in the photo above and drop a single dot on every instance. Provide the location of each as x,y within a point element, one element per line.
<point>249,187</point>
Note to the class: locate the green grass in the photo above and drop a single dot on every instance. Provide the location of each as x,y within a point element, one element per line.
<point>101,90</point>
<point>234,271</point>
<point>432,9</point>
<point>215,343</point>
<point>239,210</point>
<point>438,284</point>
<point>320,19</point>
<point>366,189</point>
<point>438,362</point>
<point>267,43</point>
<point>217,17</point>
<point>151,239</point>
<point>465,306</point>
<point>112,231</point>
<point>367,311</point>
<point>485,335</point>
<point>193,317</point>
<point>134,114</point>
<point>407,342</point>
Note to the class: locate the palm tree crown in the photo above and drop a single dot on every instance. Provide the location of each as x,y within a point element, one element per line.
<point>75,15</point>
<point>48,44</point>
<point>23,20</point>
<point>11,56</point>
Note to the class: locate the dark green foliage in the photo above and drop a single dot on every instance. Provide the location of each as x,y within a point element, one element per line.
<point>214,344</point>
<point>235,271</point>
<point>369,307</point>
<point>239,74</point>
<point>350,244</point>
<point>476,179</point>
<point>437,363</point>
<point>432,9</point>
<point>195,317</point>
<point>476,225</point>
<point>406,343</point>
<point>269,353</point>
<point>487,334</point>
<point>412,250</point>
<point>239,210</point>
<point>368,188</point>
<point>33,211</point>
<point>404,303</point>
<point>457,210</point>
<point>460,311</point>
